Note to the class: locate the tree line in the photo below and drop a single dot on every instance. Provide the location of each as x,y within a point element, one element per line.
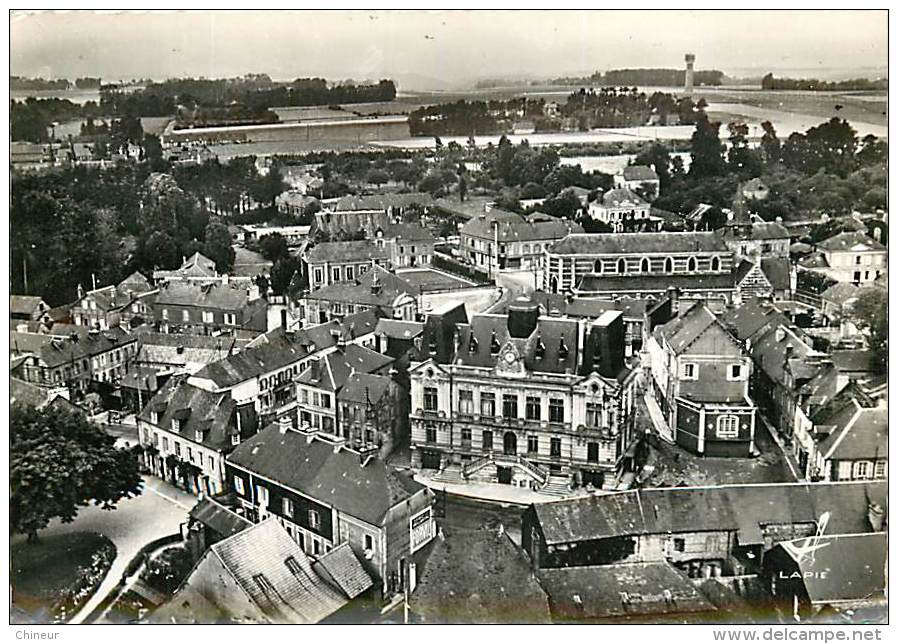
<point>645,77</point>
<point>769,81</point>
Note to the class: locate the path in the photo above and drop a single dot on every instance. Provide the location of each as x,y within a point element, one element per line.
<point>158,512</point>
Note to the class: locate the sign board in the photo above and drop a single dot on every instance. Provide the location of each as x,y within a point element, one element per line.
<point>421,528</point>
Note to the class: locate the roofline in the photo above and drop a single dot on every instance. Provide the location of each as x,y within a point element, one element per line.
<point>857,412</point>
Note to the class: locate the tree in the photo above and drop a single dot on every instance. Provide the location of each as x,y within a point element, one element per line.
<point>217,246</point>
<point>282,274</point>
<point>378,176</point>
<point>741,159</point>
<point>462,187</point>
<point>265,189</point>
<point>707,150</point>
<point>770,144</point>
<point>871,313</point>
<point>59,462</point>
<point>566,205</point>
<point>273,246</point>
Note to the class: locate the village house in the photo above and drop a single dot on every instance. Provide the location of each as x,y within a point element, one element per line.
<point>186,432</point>
<point>343,261</point>
<point>337,496</point>
<point>707,531</point>
<point>213,308</point>
<point>264,372</point>
<point>393,205</point>
<point>751,238</point>
<point>74,357</point>
<point>755,189</point>
<point>639,265</point>
<point>182,353</point>
<point>641,179</point>
<point>260,576</point>
<point>196,268</point>
<point>27,308</point>
<point>625,211</point>
<point>771,277</point>
<point>370,412</point>
<point>129,301</point>
<point>699,379</point>
<point>296,202</point>
<point>376,289</point>
<point>318,386</point>
<point>850,257</point>
<point>533,401</point>
<point>498,240</point>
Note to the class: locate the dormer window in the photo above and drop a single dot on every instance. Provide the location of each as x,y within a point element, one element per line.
<point>198,435</point>
<point>472,343</point>
<point>175,425</point>
<point>494,343</point>
<point>540,350</point>
<point>154,417</point>
<point>235,439</point>
<point>562,350</point>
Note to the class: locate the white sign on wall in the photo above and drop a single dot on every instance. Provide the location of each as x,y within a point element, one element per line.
<point>421,528</point>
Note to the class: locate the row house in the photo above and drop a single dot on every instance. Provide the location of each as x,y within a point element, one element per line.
<point>336,496</point>
<point>264,372</point>
<point>74,357</point>
<point>186,431</point>
<point>708,531</point>
<point>521,399</point>
<point>376,290</point>
<point>127,303</point>
<point>319,385</point>
<point>699,374</point>
<point>371,412</point>
<point>640,265</point>
<point>212,308</point>
<point>499,240</point>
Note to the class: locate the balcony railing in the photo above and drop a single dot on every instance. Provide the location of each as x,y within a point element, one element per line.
<point>538,472</point>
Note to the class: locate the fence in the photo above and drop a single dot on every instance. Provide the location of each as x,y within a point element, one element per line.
<point>451,265</point>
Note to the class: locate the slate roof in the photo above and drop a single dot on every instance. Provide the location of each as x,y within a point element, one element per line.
<point>854,564</point>
<point>313,468</point>
<point>853,359</point>
<point>382,202</point>
<point>24,304</point>
<point>407,232</point>
<point>342,569</point>
<point>638,243</point>
<point>847,241</point>
<point>334,223</point>
<point>363,387</point>
<point>778,271</point>
<point>362,291</point>
<point>399,329</point>
<point>27,394</point>
<point>751,317</point>
<point>212,414</point>
<point>769,353</point>
<point>512,227</point>
<point>655,282</point>
<point>623,198</point>
<point>77,343</point>
<point>297,598</point>
<point>686,328</point>
<point>346,251</point>
<point>639,173</point>
<point>743,509</point>
<point>223,297</point>
<point>580,307</point>
<point>478,577</point>
<point>218,518</point>
<point>858,431</point>
<point>110,298</point>
<point>597,592</point>
<point>758,231</point>
<point>331,372</point>
<point>558,337</point>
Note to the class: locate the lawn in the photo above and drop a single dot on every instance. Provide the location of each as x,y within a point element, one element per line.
<point>52,578</point>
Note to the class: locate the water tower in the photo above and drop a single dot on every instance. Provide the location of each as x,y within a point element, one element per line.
<point>690,63</point>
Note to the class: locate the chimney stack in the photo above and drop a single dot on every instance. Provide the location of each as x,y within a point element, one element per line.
<point>604,351</point>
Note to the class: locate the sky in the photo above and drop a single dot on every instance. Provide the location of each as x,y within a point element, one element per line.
<point>453,47</point>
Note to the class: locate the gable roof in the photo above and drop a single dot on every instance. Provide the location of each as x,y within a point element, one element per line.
<point>778,271</point>
<point>623,198</point>
<point>638,243</point>
<point>847,241</point>
<point>365,489</point>
<point>751,317</point>
<point>859,430</point>
<point>333,371</point>
<point>382,202</point>
<point>346,251</point>
<point>364,387</point>
<point>24,304</point>
<point>683,330</point>
<point>840,293</point>
<point>743,509</point>
<point>342,568</point>
<point>223,297</point>
<point>769,350</point>
<point>363,289</point>
<point>219,518</point>
<point>399,329</point>
<point>512,227</point>
<point>258,555</point>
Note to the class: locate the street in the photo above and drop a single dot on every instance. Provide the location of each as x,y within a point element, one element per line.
<point>158,512</point>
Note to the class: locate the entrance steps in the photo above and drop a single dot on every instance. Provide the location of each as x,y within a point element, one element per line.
<point>556,486</point>
<point>451,474</point>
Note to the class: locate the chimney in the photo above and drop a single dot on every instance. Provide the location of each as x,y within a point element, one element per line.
<point>604,351</point>
<point>283,319</point>
<point>224,279</point>
<point>673,294</point>
<point>456,341</point>
<point>283,425</point>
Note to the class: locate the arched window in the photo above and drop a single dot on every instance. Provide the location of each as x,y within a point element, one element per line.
<point>668,265</point>
<point>597,267</point>
<point>644,266</point>
<point>692,265</point>
<point>728,426</point>
<point>621,266</point>
<point>715,264</point>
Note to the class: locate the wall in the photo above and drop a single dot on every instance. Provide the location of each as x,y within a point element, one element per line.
<point>212,581</point>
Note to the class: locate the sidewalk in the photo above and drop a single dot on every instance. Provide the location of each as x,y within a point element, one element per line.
<point>495,492</point>
<point>787,454</point>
